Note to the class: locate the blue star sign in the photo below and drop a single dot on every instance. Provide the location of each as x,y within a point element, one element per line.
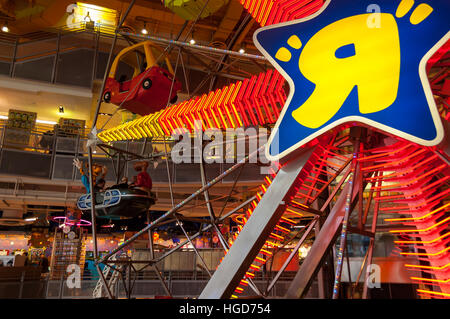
<point>357,62</point>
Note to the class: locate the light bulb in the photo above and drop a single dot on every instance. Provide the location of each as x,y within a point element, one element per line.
<point>241,50</point>
<point>87,18</point>
<point>192,41</point>
<point>144,31</point>
<point>5,28</point>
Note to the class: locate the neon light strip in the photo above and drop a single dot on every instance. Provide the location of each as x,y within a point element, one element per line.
<point>418,218</point>
<point>434,292</point>
<point>421,230</point>
<point>427,254</point>
<point>431,280</point>
<point>420,241</point>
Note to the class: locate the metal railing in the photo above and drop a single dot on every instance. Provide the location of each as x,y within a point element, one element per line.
<point>42,154</point>
<point>143,288</point>
<point>48,57</point>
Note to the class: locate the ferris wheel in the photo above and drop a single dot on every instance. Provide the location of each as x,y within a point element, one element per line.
<point>354,179</point>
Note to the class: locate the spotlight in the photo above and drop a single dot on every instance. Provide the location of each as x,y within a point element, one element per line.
<point>5,27</point>
<point>61,109</point>
<point>144,30</point>
<point>242,49</point>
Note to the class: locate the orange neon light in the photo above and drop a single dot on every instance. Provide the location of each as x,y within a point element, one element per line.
<point>294,212</point>
<point>421,230</point>
<point>421,241</point>
<point>418,218</point>
<point>427,254</point>
<point>277,236</point>
<point>266,252</point>
<point>434,292</point>
<point>431,280</point>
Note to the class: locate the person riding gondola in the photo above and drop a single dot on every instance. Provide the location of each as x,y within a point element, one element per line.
<point>143,179</point>
<point>99,171</point>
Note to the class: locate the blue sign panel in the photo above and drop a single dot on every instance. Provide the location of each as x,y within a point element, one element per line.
<point>355,61</point>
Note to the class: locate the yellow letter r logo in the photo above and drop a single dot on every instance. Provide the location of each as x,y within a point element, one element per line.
<point>376,75</point>
<point>346,67</point>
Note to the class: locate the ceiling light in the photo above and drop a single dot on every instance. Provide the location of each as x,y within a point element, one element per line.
<point>144,30</point>
<point>46,122</point>
<point>87,18</point>
<point>5,27</point>
<point>4,117</point>
<point>31,219</point>
<point>242,49</point>
<point>61,109</point>
<point>192,41</point>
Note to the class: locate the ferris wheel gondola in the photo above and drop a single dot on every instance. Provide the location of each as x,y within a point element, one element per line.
<point>118,203</point>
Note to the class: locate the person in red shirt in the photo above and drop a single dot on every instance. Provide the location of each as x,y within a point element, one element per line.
<point>143,179</point>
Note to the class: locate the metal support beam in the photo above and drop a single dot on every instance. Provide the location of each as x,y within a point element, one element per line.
<point>372,239</point>
<point>95,62</point>
<point>108,64</point>
<point>252,237</point>
<point>55,62</point>
<point>209,206</point>
<point>196,47</point>
<point>328,232</point>
<point>343,239</point>
<point>244,204</point>
<point>180,205</point>
<point>293,252</point>
<point>13,59</point>
<point>152,256</point>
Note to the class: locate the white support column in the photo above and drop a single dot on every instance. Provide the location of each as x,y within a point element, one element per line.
<point>252,237</point>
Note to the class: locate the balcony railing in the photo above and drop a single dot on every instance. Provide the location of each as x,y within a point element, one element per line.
<point>42,154</point>
<point>71,56</point>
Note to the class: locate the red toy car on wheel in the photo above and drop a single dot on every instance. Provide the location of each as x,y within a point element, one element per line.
<point>138,83</point>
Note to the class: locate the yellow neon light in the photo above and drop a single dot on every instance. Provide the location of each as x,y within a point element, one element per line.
<point>427,254</point>
<point>428,267</point>
<point>434,292</point>
<point>431,280</point>
<point>420,230</point>
<point>421,241</point>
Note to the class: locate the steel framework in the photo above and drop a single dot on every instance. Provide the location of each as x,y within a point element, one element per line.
<point>325,186</point>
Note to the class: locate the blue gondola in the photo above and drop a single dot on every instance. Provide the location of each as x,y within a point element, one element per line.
<point>118,203</point>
